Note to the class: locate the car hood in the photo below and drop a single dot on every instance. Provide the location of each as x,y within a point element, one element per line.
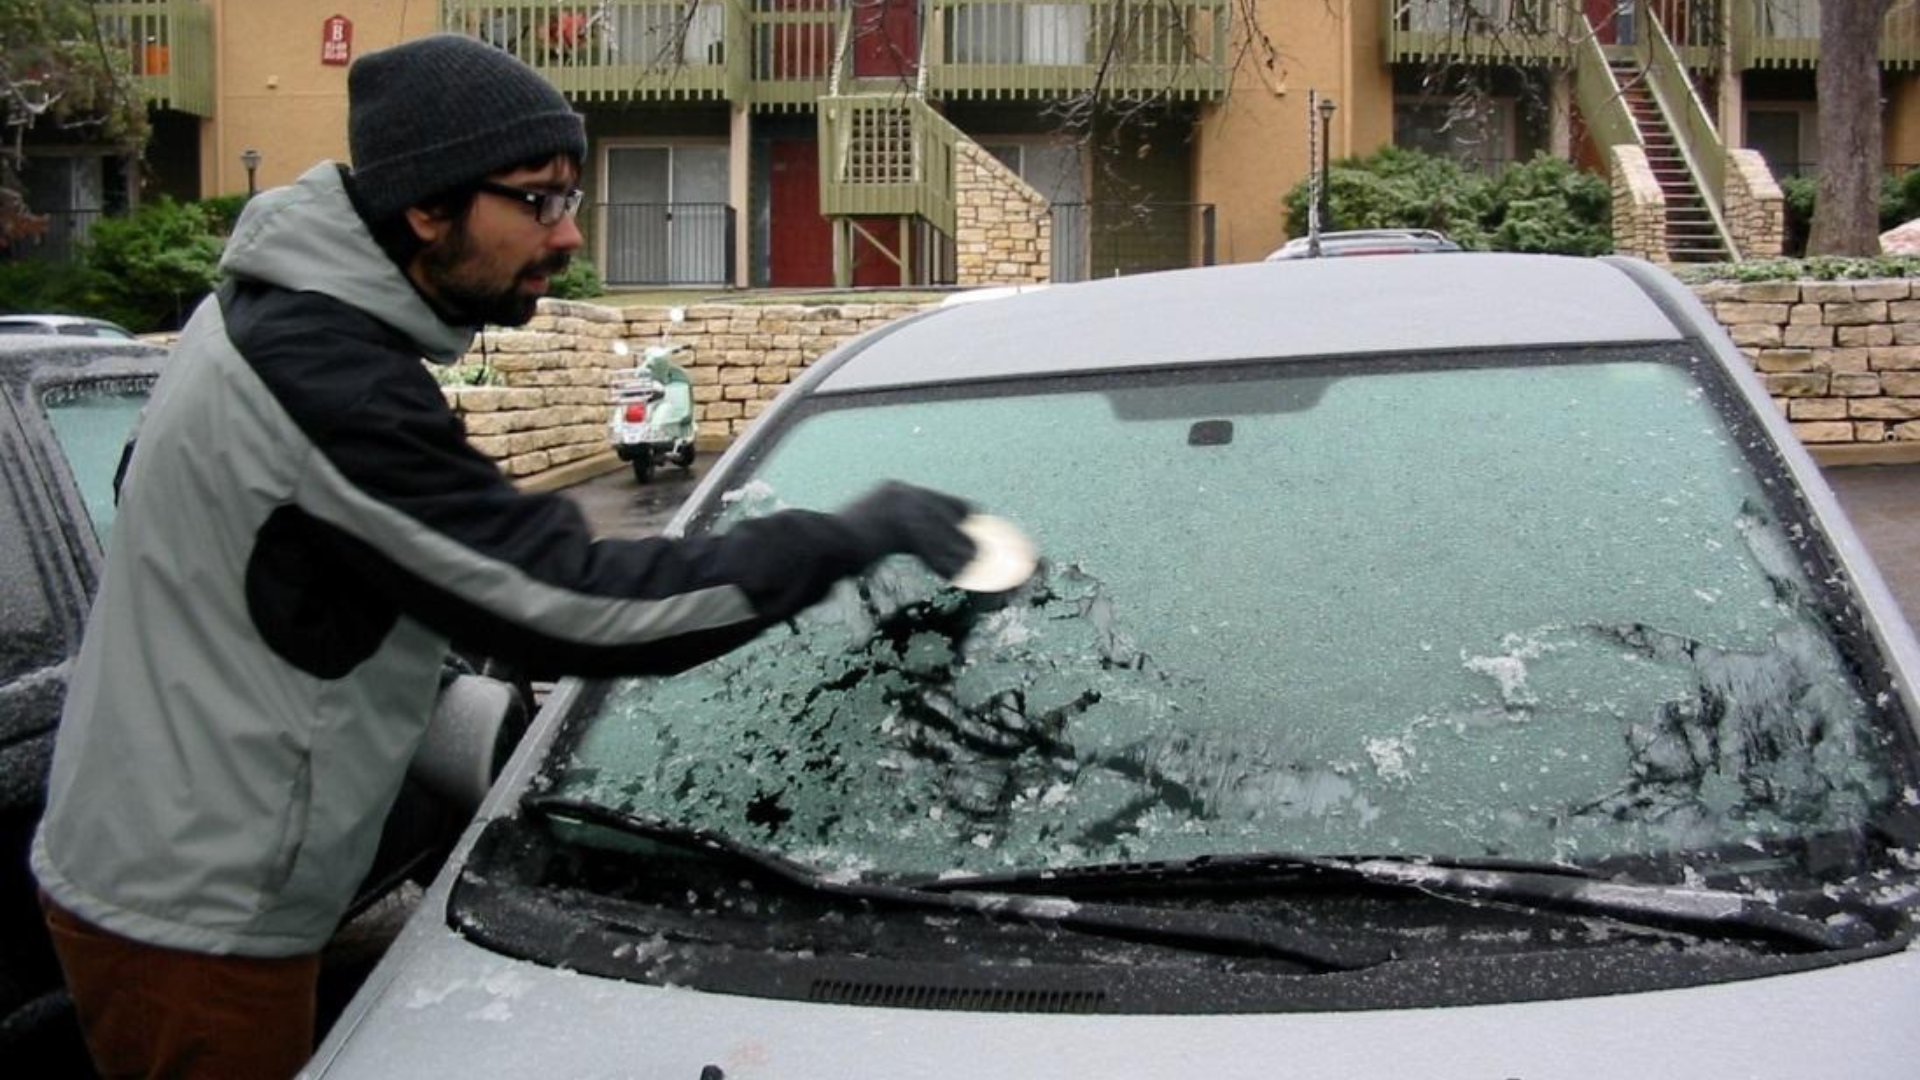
<point>442,1006</point>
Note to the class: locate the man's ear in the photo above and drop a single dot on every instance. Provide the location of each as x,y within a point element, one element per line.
<point>426,225</point>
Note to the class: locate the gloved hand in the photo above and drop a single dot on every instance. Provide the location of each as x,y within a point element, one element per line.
<point>897,518</point>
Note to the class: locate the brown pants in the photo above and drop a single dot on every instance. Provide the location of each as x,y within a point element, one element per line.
<point>153,1012</point>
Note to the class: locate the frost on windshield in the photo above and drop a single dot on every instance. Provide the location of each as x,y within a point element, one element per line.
<point>1579,633</point>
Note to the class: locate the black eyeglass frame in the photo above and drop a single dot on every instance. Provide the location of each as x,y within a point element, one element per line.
<point>547,207</point>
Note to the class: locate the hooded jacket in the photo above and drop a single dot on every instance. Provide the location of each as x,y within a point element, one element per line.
<point>302,528</point>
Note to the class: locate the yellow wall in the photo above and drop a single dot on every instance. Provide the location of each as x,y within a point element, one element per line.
<point>273,94</point>
<point>1254,146</point>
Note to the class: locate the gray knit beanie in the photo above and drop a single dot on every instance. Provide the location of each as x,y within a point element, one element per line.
<point>436,113</point>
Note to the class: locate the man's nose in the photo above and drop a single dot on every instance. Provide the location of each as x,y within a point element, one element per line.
<point>565,235</point>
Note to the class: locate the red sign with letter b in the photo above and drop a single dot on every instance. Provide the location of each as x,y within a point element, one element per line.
<point>336,40</point>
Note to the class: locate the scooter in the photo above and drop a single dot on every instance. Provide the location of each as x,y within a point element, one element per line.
<point>653,413</point>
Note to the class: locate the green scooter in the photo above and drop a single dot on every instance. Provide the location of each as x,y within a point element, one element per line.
<point>653,412</point>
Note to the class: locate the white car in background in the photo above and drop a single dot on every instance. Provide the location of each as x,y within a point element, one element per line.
<point>1457,675</point>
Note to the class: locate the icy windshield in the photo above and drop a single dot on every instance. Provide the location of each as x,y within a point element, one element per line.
<point>91,423</point>
<point>1544,611</point>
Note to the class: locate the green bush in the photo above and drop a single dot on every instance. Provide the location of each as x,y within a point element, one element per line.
<point>1544,205</point>
<point>1549,205</point>
<point>1398,188</point>
<point>1818,268</point>
<point>156,262</point>
<point>580,281</point>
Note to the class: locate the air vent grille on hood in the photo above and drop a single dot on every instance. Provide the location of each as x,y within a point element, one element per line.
<point>956,998</point>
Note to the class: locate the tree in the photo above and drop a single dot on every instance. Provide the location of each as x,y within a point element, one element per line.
<point>58,75</point>
<point>1846,215</point>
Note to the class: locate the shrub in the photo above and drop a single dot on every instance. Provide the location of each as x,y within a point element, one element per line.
<point>156,263</point>
<point>1398,188</point>
<point>580,281</point>
<point>1819,268</point>
<point>1544,205</point>
<point>1548,205</point>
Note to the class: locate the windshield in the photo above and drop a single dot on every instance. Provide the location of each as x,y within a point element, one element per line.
<point>91,422</point>
<point>1541,608</point>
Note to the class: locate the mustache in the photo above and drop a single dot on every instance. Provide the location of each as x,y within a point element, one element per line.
<point>551,266</point>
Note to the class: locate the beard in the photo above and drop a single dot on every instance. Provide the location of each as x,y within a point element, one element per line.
<point>466,298</point>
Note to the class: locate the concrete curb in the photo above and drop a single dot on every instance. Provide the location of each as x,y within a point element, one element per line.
<point>1902,453</point>
<point>606,461</point>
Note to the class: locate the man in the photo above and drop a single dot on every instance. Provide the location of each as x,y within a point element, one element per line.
<point>303,528</point>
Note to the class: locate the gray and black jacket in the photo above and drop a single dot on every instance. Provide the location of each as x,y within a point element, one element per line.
<point>302,529</point>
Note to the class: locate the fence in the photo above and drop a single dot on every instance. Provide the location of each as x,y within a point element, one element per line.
<point>667,243</point>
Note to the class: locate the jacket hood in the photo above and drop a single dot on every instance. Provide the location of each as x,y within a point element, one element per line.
<point>308,237</point>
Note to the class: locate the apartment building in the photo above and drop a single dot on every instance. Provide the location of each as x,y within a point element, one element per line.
<point>871,142</point>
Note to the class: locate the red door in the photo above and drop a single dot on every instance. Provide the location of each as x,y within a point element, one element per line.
<point>886,39</point>
<point>800,248</point>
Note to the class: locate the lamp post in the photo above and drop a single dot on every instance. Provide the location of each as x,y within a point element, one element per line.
<point>250,158</point>
<point>1326,108</point>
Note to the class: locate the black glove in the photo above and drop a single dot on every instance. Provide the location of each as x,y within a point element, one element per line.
<point>897,518</point>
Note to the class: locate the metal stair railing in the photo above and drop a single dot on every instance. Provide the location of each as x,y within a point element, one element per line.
<point>1686,117</point>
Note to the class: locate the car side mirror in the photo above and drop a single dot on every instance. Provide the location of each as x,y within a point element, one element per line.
<point>476,724</point>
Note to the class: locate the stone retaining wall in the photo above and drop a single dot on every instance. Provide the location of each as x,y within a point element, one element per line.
<point>1639,207</point>
<point>1004,232</point>
<point>558,370</point>
<point>1842,360</point>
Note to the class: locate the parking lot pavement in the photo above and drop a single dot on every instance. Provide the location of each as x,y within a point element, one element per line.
<point>1883,502</point>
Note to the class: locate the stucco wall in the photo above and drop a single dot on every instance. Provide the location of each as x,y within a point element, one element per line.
<point>1842,361</point>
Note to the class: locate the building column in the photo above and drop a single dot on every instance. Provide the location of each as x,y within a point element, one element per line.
<point>740,192</point>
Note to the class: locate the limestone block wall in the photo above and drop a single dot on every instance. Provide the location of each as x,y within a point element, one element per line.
<point>1639,207</point>
<point>558,370</point>
<point>1841,359</point>
<point>1756,209</point>
<point>1003,230</point>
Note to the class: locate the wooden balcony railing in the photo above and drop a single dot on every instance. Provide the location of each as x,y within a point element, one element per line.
<point>1048,48</point>
<point>1786,34</point>
<point>780,54</point>
<point>1483,31</point>
<point>170,43</point>
<point>1766,33</point>
<point>625,50</point>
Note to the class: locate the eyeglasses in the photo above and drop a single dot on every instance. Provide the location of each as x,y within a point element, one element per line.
<point>548,207</point>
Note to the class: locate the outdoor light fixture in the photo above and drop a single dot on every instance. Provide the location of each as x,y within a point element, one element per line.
<point>250,158</point>
<point>1326,155</point>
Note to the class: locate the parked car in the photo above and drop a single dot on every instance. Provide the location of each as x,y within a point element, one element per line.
<point>66,407</point>
<point>1366,242</point>
<point>1459,675</point>
<point>65,325</point>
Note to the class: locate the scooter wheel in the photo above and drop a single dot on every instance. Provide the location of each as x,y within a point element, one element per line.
<point>643,468</point>
<point>683,457</point>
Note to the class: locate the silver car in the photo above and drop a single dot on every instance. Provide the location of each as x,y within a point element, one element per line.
<point>1455,675</point>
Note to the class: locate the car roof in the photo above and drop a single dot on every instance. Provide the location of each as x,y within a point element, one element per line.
<point>26,358</point>
<point>1287,309</point>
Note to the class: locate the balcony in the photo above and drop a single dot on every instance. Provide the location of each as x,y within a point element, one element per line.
<point>170,45</point>
<point>1766,33</point>
<point>615,50</point>
<point>1541,32</point>
<point>1786,34</point>
<point>780,54</point>
<point>1054,48</point>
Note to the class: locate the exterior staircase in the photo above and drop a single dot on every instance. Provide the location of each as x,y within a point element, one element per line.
<point>1692,235</point>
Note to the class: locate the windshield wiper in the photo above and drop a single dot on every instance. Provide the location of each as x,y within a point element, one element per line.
<point>1214,932</point>
<point>1539,885</point>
